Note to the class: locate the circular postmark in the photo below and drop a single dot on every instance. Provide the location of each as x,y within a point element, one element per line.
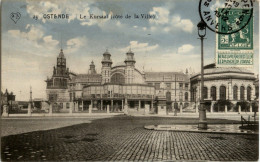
<point>226,16</point>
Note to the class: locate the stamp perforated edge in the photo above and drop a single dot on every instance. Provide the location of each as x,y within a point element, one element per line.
<point>238,51</point>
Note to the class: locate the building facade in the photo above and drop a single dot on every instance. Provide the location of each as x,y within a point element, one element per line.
<point>174,85</point>
<point>7,98</point>
<point>116,86</point>
<point>224,84</point>
<point>123,84</point>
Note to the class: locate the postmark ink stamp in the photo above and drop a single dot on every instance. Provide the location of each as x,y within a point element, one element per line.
<point>226,16</point>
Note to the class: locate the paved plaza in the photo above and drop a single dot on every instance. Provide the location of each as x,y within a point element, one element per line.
<point>121,138</point>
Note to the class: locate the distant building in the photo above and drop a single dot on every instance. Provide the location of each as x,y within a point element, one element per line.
<point>6,97</point>
<point>232,84</point>
<point>175,86</point>
<point>256,83</point>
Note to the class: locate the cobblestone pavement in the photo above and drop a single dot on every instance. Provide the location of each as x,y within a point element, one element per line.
<point>15,125</point>
<point>124,138</point>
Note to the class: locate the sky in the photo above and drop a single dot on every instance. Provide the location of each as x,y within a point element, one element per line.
<point>167,43</point>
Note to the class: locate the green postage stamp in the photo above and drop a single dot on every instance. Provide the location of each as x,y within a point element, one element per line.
<point>240,40</point>
<point>235,49</point>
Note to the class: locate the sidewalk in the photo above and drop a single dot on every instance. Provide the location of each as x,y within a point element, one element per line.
<point>230,115</point>
<point>64,115</point>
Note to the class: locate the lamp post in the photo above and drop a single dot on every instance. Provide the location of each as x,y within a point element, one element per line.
<point>202,111</point>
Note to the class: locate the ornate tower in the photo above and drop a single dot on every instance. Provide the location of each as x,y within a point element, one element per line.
<point>106,67</point>
<point>57,85</point>
<point>60,74</point>
<point>61,64</point>
<point>92,69</point>
<point>130,66</point>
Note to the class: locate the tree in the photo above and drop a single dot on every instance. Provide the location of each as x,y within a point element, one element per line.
<point>255,106</point>
<point>245,105</point>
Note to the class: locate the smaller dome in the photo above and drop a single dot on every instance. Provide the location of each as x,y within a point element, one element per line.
<point>130,51</point>
<point>106,53</point>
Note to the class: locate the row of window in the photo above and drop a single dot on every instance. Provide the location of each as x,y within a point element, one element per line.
<point>186,96</point>
<point>168,85</point>
<point>107,73</point>
<point>67,105</point>
<point>222,93</point>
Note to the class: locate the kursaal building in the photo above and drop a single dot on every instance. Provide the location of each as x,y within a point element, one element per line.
<point>123,86</point>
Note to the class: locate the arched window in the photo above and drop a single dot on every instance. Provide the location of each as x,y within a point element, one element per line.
<point>61,82</point>
<point>222,93</point>
<point>235,92</point>
<point>249,93</point>
<point>242,93</point>
<point>192,94</point>
<point>168,96</point>
<point>257,91</point>
<point>194,90</point>
<point>186,96</point>
<point>205,92</point>
<point>213,93</point>
<point>118,78</point>
<point>56,82</point>
<point>181,96</point>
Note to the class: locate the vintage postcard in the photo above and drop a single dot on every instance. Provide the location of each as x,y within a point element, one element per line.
<point>118,80</point>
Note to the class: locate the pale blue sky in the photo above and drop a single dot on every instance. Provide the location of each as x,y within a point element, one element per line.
<point>169,43</point>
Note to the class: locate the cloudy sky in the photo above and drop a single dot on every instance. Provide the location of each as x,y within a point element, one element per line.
<point>167,43</point>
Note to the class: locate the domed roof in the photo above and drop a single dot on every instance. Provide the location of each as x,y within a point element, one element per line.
<point>129,51</point>
<point>212,70</point>
<point>106,53</point>
<point>223,69</point>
